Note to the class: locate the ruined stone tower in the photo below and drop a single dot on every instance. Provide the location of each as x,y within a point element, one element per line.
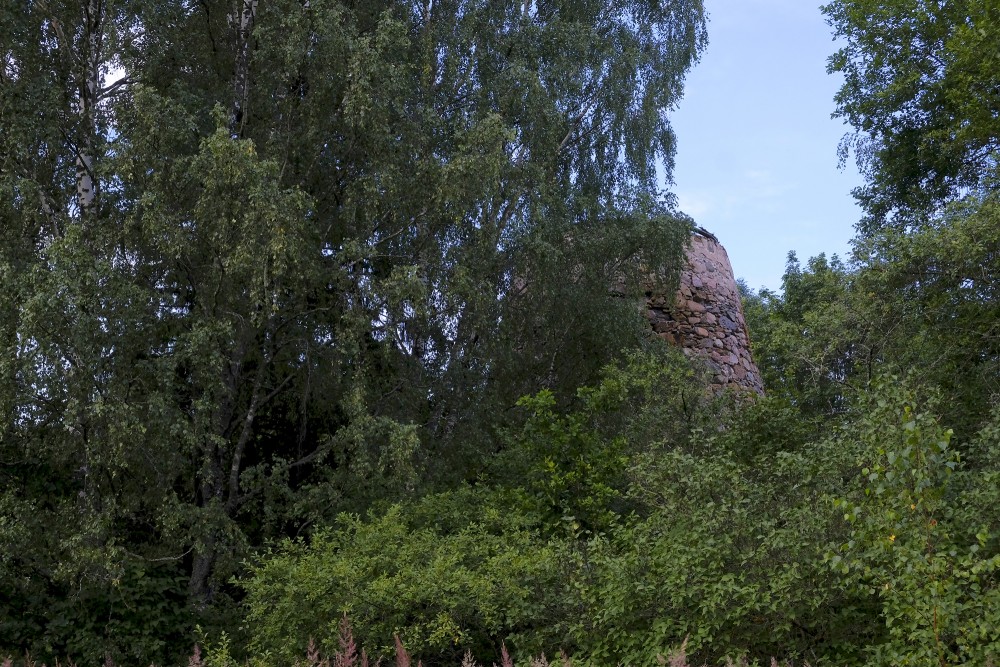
<point>705,317</point>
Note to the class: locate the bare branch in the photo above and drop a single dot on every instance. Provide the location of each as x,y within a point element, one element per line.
<point>113,89</point>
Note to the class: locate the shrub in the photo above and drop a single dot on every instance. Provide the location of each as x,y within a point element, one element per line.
<point>444,586</point>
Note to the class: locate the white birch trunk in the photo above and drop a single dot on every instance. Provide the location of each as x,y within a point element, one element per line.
<point>241,73</point>
<point>88,90</point>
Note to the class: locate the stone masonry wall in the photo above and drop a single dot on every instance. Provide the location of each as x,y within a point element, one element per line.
<point>705,318</point>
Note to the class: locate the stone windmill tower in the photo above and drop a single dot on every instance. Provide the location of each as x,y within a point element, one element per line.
<point>705,317</point>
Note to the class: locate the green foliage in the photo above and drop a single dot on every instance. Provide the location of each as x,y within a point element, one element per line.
<point>728,552</point>
<point>313,318</point>
<point>734,540</point>
<point>573,461</point>
<point>920,302</point>
<point>919,79</point>
<point>578,475</point>
<point>455,571</point>
<point>85,621</point>
<point>446,575</point>
<point>299,261</point>
<point>940,296</point>
<point>837,521</point>
<point>812,342</point>
<point>621,558</point>
<point>919,539</point>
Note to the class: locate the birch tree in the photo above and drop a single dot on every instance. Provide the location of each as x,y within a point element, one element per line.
<point>297,257</point>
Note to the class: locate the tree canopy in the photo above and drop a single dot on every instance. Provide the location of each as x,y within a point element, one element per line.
<point>310,320</point>
<point>264,262</point>
<point>920,91</point>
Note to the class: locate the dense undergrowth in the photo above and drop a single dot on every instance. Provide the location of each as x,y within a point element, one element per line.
<point>872,544</point>
<point>869,539</point>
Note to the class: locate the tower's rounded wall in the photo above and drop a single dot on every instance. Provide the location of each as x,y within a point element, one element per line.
<point>705,317</point>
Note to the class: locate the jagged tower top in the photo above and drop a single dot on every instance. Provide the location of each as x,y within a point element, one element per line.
<point>705,317</point>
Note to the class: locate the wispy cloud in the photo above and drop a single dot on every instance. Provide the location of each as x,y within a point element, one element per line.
<point>694,204</point>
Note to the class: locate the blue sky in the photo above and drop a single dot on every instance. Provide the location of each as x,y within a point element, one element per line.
<point>757,149</point>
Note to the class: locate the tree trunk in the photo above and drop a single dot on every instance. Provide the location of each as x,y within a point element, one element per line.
<point>199,588</point>
<point>241,72</point>
<point>199,591</point>
<point>88,89</point>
